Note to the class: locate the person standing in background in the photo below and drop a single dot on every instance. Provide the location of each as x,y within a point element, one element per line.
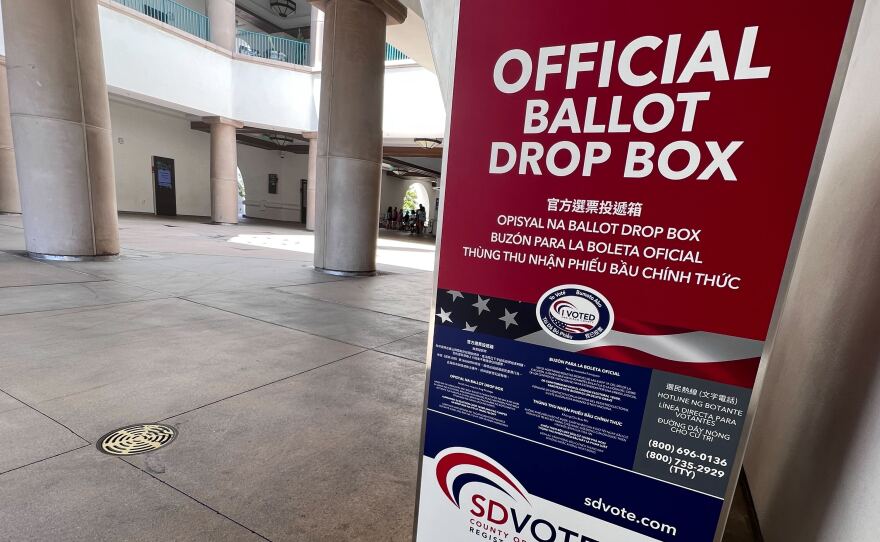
<point>421,216</point>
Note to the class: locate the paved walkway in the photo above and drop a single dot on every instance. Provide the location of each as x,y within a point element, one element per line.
<point>297,394</point>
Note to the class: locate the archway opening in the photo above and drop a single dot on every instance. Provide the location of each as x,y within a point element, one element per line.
<point>416,195</point>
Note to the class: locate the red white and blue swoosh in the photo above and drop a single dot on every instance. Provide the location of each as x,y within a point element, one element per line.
<point>700,354</point>
<point>459,467</point>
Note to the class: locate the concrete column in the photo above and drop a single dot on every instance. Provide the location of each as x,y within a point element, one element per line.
<point>10,202</point>
<point>813,462</point>
<point>224,170</point>
<point>441,20</point>
<point>313,173</point>
<point>316,33</point>
<point>349,163</point>
<point>61,125</point>
<point>221,16</point>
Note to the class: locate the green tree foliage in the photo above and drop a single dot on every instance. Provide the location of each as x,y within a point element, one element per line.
<point>410,200</point>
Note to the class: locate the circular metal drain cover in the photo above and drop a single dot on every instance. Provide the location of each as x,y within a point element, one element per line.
<point>137,439</point>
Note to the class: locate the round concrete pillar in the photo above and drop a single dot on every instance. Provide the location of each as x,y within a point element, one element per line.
<point>221,16</point>
<point>316,39</point>
<point>224,171</point>
<point>10,202</point>
<point>61,125</point>
<point>349,161</point>
<point>313,173</point>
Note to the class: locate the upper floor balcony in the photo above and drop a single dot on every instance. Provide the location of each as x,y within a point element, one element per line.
<point>261,45</point>
<point>248,42</point>
<point>173,14</point>
<point>160,52</point>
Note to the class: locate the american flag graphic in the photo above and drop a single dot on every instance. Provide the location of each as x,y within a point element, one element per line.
<point>700,354</point>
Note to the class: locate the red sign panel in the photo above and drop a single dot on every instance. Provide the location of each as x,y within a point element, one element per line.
<point>623,185</point>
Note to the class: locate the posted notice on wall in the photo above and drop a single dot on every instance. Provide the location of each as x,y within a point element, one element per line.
<point>623,184</point>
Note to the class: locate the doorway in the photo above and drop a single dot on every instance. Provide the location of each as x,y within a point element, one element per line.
<point>417,195</point>
<point>163,186</point>
<point>303,199</point>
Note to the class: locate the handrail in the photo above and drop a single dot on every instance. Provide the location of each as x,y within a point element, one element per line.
<point>392,53</point>
<point>247,42</point>
<point>272,47</point>
<point>174,14</point>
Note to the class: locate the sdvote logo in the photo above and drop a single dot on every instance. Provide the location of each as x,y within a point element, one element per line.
<point>575,314</point>
<point>497,508</point>
<point>459,467</point>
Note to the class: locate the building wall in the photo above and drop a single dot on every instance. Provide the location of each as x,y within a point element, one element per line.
<point>256,165</point>
<point>274,97</point>
<point>394,189</point>
<point>138,135</point>
<point>413,105</point>
<point>145,62</point>
<point>148,132</point>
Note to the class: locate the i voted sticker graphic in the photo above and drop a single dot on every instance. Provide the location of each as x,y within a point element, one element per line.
<point>575,314</point>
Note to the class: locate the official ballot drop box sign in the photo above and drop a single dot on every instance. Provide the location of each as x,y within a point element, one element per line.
<point>622,190</point>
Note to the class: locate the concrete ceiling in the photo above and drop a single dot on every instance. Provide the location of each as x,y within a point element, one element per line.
<point>411,37</point>
<point>302,17</point>
<point>414,5</point>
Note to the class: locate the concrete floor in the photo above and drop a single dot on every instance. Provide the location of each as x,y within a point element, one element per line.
<point>297,394</point>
